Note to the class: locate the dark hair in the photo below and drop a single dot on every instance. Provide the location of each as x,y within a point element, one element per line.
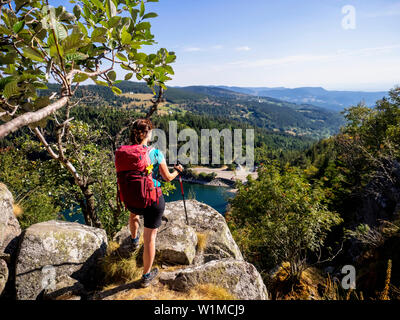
<point>139,130</point>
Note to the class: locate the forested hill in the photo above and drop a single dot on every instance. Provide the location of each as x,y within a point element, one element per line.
<point>333,100</point>
<point>268,113</point>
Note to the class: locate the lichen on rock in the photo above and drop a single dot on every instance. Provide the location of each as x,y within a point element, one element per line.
<point>52,250</point>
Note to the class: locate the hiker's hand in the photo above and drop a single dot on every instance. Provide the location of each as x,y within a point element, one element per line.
<point>178,168</point>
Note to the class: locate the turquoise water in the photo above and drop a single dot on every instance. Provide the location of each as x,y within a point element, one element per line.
<point>216,197</point>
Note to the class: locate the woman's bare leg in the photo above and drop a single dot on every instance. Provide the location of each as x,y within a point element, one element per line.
<point>134,225</point>
<point>149,237</point>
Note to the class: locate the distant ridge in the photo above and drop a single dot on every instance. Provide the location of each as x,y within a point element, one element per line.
<point>318,96</point>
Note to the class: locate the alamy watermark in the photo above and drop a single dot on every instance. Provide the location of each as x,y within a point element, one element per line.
<point>349,280</point>
<point>209,144</point>
<point>349,21</point>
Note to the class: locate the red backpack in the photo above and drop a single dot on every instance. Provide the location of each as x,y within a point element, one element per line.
<point>134,181</point>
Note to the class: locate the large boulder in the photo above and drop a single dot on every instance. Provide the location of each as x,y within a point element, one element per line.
<point>209,222</point>
<point>52,250</point>
<point>239,278</point>
<point>176,244</point>
<point>177,241</point>
<point>3,275</point>
<point>9,226</point>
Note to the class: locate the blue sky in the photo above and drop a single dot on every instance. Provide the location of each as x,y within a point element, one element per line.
<point>287,43</point>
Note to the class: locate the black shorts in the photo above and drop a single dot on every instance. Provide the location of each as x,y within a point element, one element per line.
<point>153,214</point>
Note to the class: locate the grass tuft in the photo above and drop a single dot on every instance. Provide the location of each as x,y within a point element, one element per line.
<point>18,210</point>
<point>201,240</point>
<point>119,270</point>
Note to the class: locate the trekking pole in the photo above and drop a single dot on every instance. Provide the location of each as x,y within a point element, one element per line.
<point>183,195</point>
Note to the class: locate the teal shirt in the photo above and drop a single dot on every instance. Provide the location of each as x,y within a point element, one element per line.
<point>156,157</point>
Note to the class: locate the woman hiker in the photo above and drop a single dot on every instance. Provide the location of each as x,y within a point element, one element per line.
<point>140,135</point>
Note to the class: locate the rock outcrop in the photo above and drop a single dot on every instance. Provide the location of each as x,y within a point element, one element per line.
<point>203,252</point>
<point>177,242</point>
<point>9,236</point>
<point>52,250</point>
<point>60,260</point>
<point>3,275</point>
<point>209,222</point>
<point>240,278</point>
<point>9,226</point>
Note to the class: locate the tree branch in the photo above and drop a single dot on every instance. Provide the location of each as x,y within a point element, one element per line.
<point>155,103</point>
<point>31,117</point>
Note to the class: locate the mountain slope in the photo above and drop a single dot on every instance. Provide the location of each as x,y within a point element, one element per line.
<point>268,113</point>
<point>333,100</point>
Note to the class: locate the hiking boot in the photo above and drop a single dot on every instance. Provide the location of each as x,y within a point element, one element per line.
<point>135,243</point>
<point>148,278</point>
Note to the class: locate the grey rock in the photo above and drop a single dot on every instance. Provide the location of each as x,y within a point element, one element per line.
<point>206,220</point>
<point>239,278</point>
<point>66,289</point>
<point>9,226</point>
<point>123,238</point>
<point>176,244</point>
<point>3,275</point>
<point>176,247</point>
<point>52,250</point>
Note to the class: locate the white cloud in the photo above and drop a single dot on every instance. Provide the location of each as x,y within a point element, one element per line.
<point>374,68</point>
<point>244,48</point>
<point>298,59</point>
<point>192,49</point>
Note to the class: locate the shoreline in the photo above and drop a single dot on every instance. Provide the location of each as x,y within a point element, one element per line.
<point>217,182</point>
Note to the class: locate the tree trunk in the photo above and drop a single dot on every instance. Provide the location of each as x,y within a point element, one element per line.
<point>89,209</point>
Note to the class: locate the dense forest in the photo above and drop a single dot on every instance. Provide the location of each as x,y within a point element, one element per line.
<point>266,113</point>
<point>339,199</point>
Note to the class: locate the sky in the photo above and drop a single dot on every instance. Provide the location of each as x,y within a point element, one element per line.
<point>335,44</point>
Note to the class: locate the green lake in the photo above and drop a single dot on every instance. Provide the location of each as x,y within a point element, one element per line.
<point>216,197</point>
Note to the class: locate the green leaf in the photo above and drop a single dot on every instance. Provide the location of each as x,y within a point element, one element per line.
<point>142,8</point>
<point>150,15</point>
<point>170,59</point>
<point>113,21</point>
<point>101,83</point>
<point>123,66</point>
<point>18,26</point>
<point>121,57</point>
<point>32,54</point>
<point>143,26</point>
<point>75,56</point>
<point>116,90</point>
<point>80,77</point>
<point>4,81</point>
<point>98,32</point>
<point>169,70</point>
<point>126,38</point>
<point>111,10</point>
<point>128,76</point>
<point>60,31</point>
<point>77,11</point>
<point>74,41</point>
<point>41,102</point>
<point>10,89</point>
<point>98,4</point>
<point>112,75</point>
<point>4,30</point>
<point>83,28</point>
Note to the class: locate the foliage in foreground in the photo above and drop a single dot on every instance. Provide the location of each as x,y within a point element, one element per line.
<point>280,217</point>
